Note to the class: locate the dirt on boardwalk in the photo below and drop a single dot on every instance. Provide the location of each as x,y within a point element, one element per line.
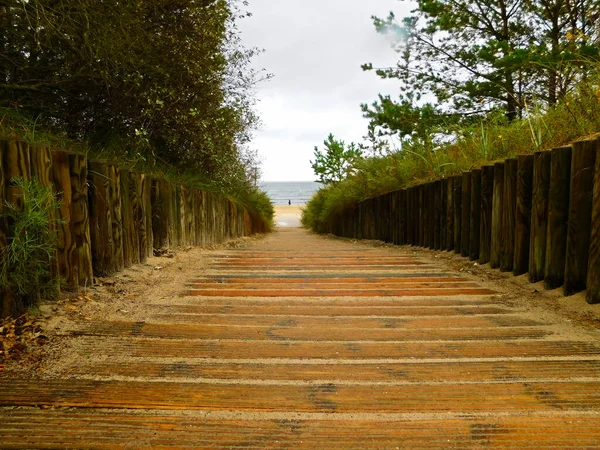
<point>293,340</point>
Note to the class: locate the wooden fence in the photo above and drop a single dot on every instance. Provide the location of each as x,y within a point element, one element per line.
<point>113,217</point>
<point>537,214</point>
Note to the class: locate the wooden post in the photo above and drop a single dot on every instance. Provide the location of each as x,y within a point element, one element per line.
<point>583,161</point>
<point>127,219</point>
<point>116,214</point>
<point>409,216</point>
<point>443,214</point>
<point>508,215</point>
<point>6,301</point>
<point>487,202</point>
<point>465,238</point>
<point>593,275</point>
<point>457,201</point>
<point>475,215</point>
<point>102,245</point>
<point>437,214</point>
<point>558,217</point>
<point>137,212</point>
<point>497,208</point>
<point>539,215</point>
<point>147,240</point>
<point>450,214</point>
<point>80,256</point>
<point>421,215</point>
<point>523,213</point>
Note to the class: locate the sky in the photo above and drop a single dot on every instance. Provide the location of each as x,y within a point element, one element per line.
<point>314,49</point>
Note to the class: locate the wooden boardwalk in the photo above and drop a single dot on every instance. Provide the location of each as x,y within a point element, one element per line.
<point>305,342</point>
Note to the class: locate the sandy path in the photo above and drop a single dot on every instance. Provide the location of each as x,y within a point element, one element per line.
<point>387,348</point>
<point>288,216</point>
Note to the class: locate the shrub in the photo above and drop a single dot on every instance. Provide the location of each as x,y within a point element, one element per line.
<point>26,268</point>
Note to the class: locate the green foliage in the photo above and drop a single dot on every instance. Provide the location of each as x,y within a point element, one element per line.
<point>336,161</point>
<point>26,271</point>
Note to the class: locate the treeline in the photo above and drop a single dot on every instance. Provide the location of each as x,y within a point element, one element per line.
<point>479,81</point>
<point>164,83</point>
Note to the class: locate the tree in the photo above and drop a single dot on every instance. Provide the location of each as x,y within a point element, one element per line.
<point>477,55</point>
<point>336,161</point>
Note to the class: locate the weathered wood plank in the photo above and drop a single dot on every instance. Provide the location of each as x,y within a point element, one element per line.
<point>137,215</point>
<point>437,214</point>
<point>127,218</point>
<point>497,208</point>
<point>523,213</point>
<point>147,238</point>
<point>539,215</point>
<point>116,214</point>
<point>465,238</point>
<point>558,217</point>
<point>508,215</point>
<point>103,254</point>
<point>485,228</point>
<point>443,214</point>
<point>475,215</point>
<point>581,191</point>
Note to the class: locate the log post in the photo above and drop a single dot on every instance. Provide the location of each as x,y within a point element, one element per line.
<point>539,215</point>
<point>465,238</point>
<point>101,236</point>
<point>581,193</point>
<point>487,202</point>
<point>81,254</point>
<point>508,215</point>
<point>137,210</point>
<point>127,219</point>
<point>523,213</point>
<point>450,214</point>
<point>558,217</point>
<point>593,275</point>
<point>457,201</point>
<point>443,214</point>
<point>147,240</point>
<point>437,214</point>
<point>497,208</point>
<point>116,214</point>
<point>475,215</point>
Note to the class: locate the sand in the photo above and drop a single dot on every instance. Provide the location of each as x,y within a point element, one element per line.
<point>288,216</point>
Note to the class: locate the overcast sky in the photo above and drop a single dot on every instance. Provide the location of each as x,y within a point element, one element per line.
<point>314,49</point>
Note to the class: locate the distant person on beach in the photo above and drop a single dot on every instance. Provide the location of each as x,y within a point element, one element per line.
<point>289,203</point>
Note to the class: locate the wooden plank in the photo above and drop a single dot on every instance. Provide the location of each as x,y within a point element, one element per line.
<point>81,255</point>
<point>539,215</point>
<point>465,239</point>
<point>146,236</point>
<point>509,204</point>
<point>581,193</point>
<point>61,180</point>
<point>426,214</point>
<point>457,202</point>
<point>450,214</point>
<point>475,215</point>
<point>497,208</point>
<point>523,213</point>
<point>487,202</point>
<point>421,215</point>
<point>593,275</point>
<point>558,217</point>
<point>137,215</point>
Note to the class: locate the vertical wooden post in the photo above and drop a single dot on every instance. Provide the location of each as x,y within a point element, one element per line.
<point>475,216</point>
<point>127,219</point>
<point>523,213</point>
<point>539,215</point>
<point>81,254</point>
<point>583,162</point>
<point>465,238</point>
<point>409,216</point>
<point>402,217</point>
<point>116,214</point>
<point>138,224</point>
<point>147,241</point>
<point>457,201</point>
<point>508,215</point>
<point>497,208</point>
<point>61,179</point>
<point>487,201</point>
<point>437,214</point>
<point>450,214</point>
<point>558,217</point>
<point>101,236</point>
<point>443,214</point>
<point>593,275</point>
<point>5,297</point>
<point>421,215</point>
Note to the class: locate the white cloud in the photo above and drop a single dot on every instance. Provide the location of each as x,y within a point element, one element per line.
<point>315,50</point>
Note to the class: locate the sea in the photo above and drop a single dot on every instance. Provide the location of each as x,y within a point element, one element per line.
<point>298,192</point>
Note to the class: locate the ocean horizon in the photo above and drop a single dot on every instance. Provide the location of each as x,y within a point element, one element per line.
<point>282,193</point>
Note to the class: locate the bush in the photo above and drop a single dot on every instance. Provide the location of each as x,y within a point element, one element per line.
<point>26,268</point>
